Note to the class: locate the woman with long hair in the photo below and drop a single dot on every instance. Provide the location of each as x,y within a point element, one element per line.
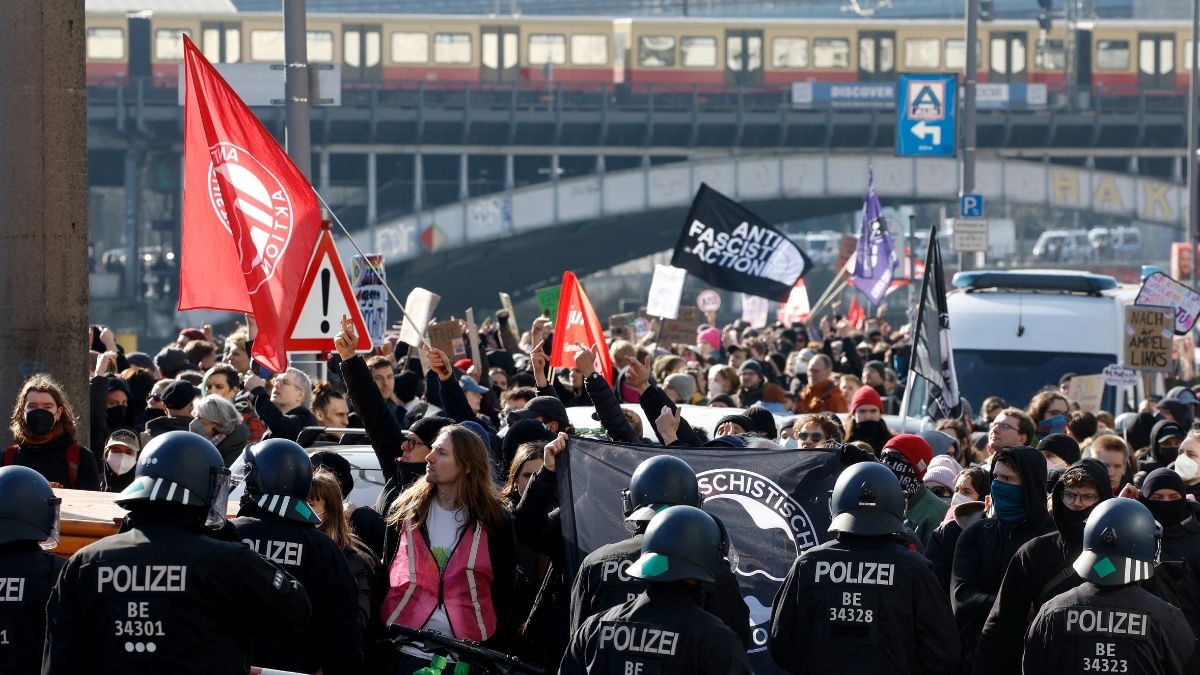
<point>325,498</point>
<point>449,550</point>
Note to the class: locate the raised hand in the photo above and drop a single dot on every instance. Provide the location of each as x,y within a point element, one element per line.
<point>552,450</point>
<point>667,424</point>
<point>538,361</point>
<point>585,359</point>
<point>638,373</point>
<point>346,339</point>
<point>438,362</point>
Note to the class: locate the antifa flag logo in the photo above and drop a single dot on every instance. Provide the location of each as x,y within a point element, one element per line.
<point>731,247</point>
<point>261,201</point>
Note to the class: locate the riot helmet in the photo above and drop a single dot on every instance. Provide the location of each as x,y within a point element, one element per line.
<point>1120,543</point>
<point>182,468</point>
<point>682,542</point>
<point>278,474</point>
<point>29,511</point>
<point>867,501</point>
<point>664,480</point>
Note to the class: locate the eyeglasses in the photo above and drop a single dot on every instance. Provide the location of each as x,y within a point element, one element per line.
<point>413,442</point>
<point>1003,426</point>
<point>815,436</point>
<point>1085,498</point>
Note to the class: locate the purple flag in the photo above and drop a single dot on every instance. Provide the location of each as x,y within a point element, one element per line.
<point>874,258</point>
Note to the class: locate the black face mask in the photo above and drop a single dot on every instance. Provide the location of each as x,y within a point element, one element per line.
<point>116,416</point>
<point>39,421</point>
<point>1167,514</point>
<point>1071,525</point>
<point>154,413</point>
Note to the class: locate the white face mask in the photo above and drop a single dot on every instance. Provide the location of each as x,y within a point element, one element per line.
<point>121,463</point>
<point>715,387</point>
<point>1185,466</point>
<point>959,498</point>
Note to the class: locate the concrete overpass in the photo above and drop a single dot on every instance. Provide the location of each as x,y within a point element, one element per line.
<point>469,250</point>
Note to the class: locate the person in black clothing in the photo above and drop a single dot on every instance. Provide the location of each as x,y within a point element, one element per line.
<point>285,411</point>
<point>43,426</point>
<point>176,590</point>
<point>966,508</point>
<point>276,521</point>
<point>981,556</point>
<point>120,458</point>
<point>28,523</point>
<point>663,629</point>
<point>365,521</point>
<point>1041,568</point>
<point>863,603</point>
<point>1110,624</point>
<point>179,398</point>
<point>1177,574</point>
<point>1165,438</point>
<point>602,581</point>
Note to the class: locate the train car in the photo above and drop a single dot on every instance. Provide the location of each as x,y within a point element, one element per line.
<point>1130,58</point>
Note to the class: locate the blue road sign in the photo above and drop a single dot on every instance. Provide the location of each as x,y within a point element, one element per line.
<point>971,206</point>
<point>925,112</point>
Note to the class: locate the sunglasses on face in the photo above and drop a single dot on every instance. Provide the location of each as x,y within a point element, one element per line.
<point>814,436</point>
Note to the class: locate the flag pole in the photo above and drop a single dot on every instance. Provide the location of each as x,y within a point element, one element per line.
<point>378,271</point>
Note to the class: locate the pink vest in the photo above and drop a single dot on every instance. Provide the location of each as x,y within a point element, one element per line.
<point>466,584</point>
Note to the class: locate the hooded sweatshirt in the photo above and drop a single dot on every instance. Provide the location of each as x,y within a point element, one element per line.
<point>1040,570</point>
<point>985,548</point>
<point>1159,457</point>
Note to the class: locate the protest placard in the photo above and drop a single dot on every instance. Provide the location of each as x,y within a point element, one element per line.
<point>680,331</point>
<point>1160,290</point>
<point>1148,336</point>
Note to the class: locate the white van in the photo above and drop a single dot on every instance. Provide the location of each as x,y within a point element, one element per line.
<point>1014,332</point>
<point>1065,246</point>
<point>1126,240</point>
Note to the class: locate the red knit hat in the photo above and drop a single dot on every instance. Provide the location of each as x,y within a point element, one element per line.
<point>463,364</point>
<point>914,448</point>
<point>866,396</point>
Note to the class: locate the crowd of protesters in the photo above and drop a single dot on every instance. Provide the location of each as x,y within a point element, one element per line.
<point>996,502</point>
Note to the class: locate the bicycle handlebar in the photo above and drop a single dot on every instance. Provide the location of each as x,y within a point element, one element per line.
<point>464,650</point>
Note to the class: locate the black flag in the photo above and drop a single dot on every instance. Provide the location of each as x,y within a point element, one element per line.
<point>933,359</point>
<point>730,247</point>
<point>774,504</point>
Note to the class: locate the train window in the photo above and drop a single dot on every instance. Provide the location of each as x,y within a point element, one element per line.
<point>789,52</point>
<point>831,53</point>
<point>1112,55</point>
<point>545,48</point>
<point>222,44</point>
<point>1165,49</point>
<point>105,43</point>
<point>656,51</point>
<point>868,47</point>
<point>451,47</point>
<point>320,46</point>
<point>374,48</point>
<point>697,52</point>
<point>922,53</point>
<point>1187,55</point>
<point>1050,55</point>
<point>410,47</point>
<point>266,45</point>
<point>168,43</point>
<point>589,50</point>
<point>956,54</point>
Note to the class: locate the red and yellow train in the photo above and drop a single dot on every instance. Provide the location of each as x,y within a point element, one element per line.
<point>1117,57</point>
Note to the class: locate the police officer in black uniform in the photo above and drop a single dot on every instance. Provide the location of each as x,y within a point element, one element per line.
<point>602,581</point>
<point>169,593</point>
<point>1110,624</point>
<point>276,521</point>
<point>863,603</point>
<point>663,630</point>
<point>28,524</point>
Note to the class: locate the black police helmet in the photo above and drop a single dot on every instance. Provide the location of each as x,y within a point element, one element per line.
<point>867,500</point>
<point>660,481</point>
<point>682,542</point>
<point>278,475</point>
<point>28,507</point>
<point>182,468</point>
<point>1120,543</point>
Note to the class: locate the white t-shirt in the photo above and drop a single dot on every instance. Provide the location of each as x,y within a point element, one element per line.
<point>444,528</point>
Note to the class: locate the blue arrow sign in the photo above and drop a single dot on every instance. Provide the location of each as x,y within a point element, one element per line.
<point>925,115</point>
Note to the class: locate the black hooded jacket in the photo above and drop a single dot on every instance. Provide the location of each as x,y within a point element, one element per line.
<point>1177,574</point>
<point>984,549</point>
<point>1158,457</point>
<point>1040,570</point>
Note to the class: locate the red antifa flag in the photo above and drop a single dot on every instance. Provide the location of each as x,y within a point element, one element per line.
<point>250,218</point>
<point>577,322</point>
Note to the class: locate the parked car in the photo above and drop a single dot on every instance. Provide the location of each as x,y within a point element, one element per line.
<point>1062,246</point>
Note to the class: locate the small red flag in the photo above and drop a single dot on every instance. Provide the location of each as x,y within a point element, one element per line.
<point>577,322</point>
<point>250,218</point>
<point>856,314</point>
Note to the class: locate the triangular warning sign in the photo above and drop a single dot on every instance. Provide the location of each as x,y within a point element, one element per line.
<point>325,295</point>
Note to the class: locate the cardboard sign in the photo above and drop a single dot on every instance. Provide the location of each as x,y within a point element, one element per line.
<point>1119,376</point>
<point>419,306</point>
<point>1160,290</point>
<point>621,327</point>
<point>368,278</point>
<point>448,337</point>
<point>666,289</point>
<point>796,309</point>
<point>547,299</point>
<point>1148,337</point>
<point>506,303</point>
<point>1086,390</point>
<point>680,331</point>
<point>755,310</point>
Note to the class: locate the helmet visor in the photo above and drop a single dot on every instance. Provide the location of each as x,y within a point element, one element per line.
<point>242,466</point>
<point>51,541</point>
<point>219,505</point>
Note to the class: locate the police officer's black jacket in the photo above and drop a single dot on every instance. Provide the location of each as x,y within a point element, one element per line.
<point>1122,629</point>
<point>27,573</point>
<point>662,631</point>
<point>165,595</point>
<point>1040,570</point>
<point>330,641</point>
<point>601,583</point>
<point>863,605</point>
<point>1177,575</point>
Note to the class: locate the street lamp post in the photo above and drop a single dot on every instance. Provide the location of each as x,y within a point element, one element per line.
<point>1193,87</point>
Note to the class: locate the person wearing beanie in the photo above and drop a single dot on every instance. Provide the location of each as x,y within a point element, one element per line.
<point>1059,449</point>
<point>1165,438</point>
<point>753,379</point>
<point>1179,558</point>
<point>908,456</point>
<point>734,424</point>
<point>940,481</point>
<point>722,401</point>
<point>681,387</point>
<point>523,431</point>
<point>984,549</point>
<point>866,420</point>
<point>764,421</point>
<point>943,445</point>
<point>709,343</point>
<point>1177,411</point>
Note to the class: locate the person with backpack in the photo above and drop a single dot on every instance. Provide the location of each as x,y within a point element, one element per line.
<point>43,426</point>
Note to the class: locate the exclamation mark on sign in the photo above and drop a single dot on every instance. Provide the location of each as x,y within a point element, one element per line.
<point>325,275</point>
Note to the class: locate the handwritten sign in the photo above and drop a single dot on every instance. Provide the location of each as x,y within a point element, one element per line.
<point>1162,291</point>
<point>1118,376</point>
<point>620,326</point>
<point>448,337</point>
<point>682,330</point>
<point>1148,337</point>
<point>370,290</point>
<point>1087,391</point>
